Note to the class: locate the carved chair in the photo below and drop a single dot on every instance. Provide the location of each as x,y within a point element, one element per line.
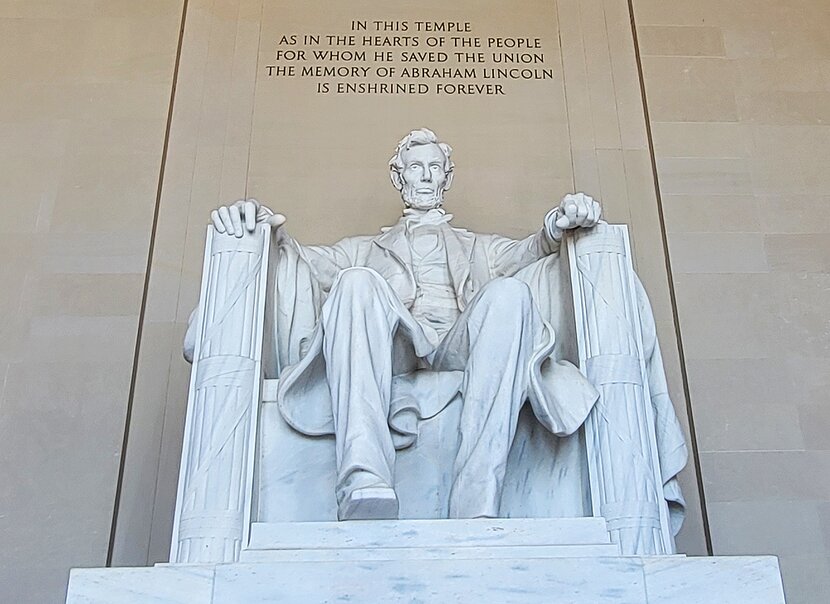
<point>242,464</point>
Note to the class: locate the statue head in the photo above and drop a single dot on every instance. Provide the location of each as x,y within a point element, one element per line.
<point>421,169</point>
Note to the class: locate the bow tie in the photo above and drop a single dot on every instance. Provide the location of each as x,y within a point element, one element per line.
<point>434,217</point>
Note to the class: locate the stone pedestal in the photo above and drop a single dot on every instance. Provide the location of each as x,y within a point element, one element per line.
<point>551,561</point>
<point>619,554</point>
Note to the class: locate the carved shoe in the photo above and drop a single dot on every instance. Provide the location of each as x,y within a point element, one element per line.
<point>369,503</point>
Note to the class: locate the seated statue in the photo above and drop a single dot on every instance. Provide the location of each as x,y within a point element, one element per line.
<point>375,337</point>
<point>424,297</point>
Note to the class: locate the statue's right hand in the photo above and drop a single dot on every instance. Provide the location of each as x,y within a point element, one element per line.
<point>243,216</point>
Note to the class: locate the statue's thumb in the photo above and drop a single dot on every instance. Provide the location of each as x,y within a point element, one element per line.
<point>276,220</point>
<point>563,222</point>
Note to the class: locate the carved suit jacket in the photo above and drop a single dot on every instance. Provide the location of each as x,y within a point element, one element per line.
<point>561,397</point>
<point>474,259</point>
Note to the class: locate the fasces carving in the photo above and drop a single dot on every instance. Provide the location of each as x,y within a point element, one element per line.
<point>376,337</point>
<point>225,335</point>
<point>626,470</point>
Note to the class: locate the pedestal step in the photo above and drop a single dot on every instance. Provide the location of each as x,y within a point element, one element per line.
<point>617,580</point>
<point>429,539</point>
<point>431,553</point>
<point>504,561</point>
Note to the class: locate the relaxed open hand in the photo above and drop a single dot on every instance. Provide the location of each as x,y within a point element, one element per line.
<point>243,216</point>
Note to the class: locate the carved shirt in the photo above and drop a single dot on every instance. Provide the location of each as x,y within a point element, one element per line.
<point>435,301</point>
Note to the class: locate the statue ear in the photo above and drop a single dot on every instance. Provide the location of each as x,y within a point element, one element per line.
<point>449,181</point>
<point>396,179</point>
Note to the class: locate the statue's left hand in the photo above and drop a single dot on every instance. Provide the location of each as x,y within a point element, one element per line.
<point>578,210</point>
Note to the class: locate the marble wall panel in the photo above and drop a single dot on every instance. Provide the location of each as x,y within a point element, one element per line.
<point>83,109</point>
<point>657,40</point>
<point>214,96</point>
<point>693,89</point>
<point>234,133</point>
<point>741,143</point>
<point>738,101</point>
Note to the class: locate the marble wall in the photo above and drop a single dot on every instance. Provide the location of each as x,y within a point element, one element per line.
<point>739,99</point>
<point>84,96</point>
<point>233,134</point>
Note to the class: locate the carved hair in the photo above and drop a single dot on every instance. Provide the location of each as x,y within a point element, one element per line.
<point>421,136</point>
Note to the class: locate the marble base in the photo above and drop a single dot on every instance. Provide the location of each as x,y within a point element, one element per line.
<point>429,539</point>
<point>555,561</point>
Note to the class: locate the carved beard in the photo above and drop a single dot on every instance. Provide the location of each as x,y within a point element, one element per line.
<point>412,200</point>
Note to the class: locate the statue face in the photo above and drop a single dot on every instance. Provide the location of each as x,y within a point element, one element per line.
<point>424,177</point>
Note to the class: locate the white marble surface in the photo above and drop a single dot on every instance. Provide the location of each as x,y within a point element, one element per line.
<point>503,581</point>
<point>718,580</point>
<point>518,552</point>
<point>224,342</point>
<point>182,584</point>
<point>377,540</point>
<point>555,561</point>
<point>621,432</point>
<point>495,532</point>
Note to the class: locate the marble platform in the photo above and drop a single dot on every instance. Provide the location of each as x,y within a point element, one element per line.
<point>429,539</point>
<point>555,561</point>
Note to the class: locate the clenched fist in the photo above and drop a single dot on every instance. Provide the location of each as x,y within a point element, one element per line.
<point>576,210</point>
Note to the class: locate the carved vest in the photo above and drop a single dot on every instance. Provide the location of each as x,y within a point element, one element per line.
<point>435,299</point>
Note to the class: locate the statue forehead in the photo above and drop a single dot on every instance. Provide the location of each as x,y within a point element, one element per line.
<point>427,152</point>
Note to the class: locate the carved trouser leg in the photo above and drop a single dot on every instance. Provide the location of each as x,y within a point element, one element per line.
<point>359,320</point>
<point>493,342</point>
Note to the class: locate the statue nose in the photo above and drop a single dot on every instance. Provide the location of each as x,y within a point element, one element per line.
<point>426,175</point>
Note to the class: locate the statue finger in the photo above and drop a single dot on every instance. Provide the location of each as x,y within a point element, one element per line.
<point>249,209</point>
<point>225,215</point>
<point>570,209</point>
<point>276,220</point>
<point>217,221</point>
<point>581,212</point>
<point>563,222</point>
<point>263,214</point>
<point>589,215</point>
<point>239,204</point>
<point>578,199</point>
<point>236,218</point>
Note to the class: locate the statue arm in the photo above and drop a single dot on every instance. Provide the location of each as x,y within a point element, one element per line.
<point>508,256</point>
<point>240,220</point>
<point>324,261</point>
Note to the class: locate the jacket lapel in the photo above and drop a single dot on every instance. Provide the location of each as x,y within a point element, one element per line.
<point>394,241</point>
<point>459,244</point>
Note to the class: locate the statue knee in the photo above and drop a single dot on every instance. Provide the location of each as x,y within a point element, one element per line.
<point>508,294</point>
<point>357,281</point>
